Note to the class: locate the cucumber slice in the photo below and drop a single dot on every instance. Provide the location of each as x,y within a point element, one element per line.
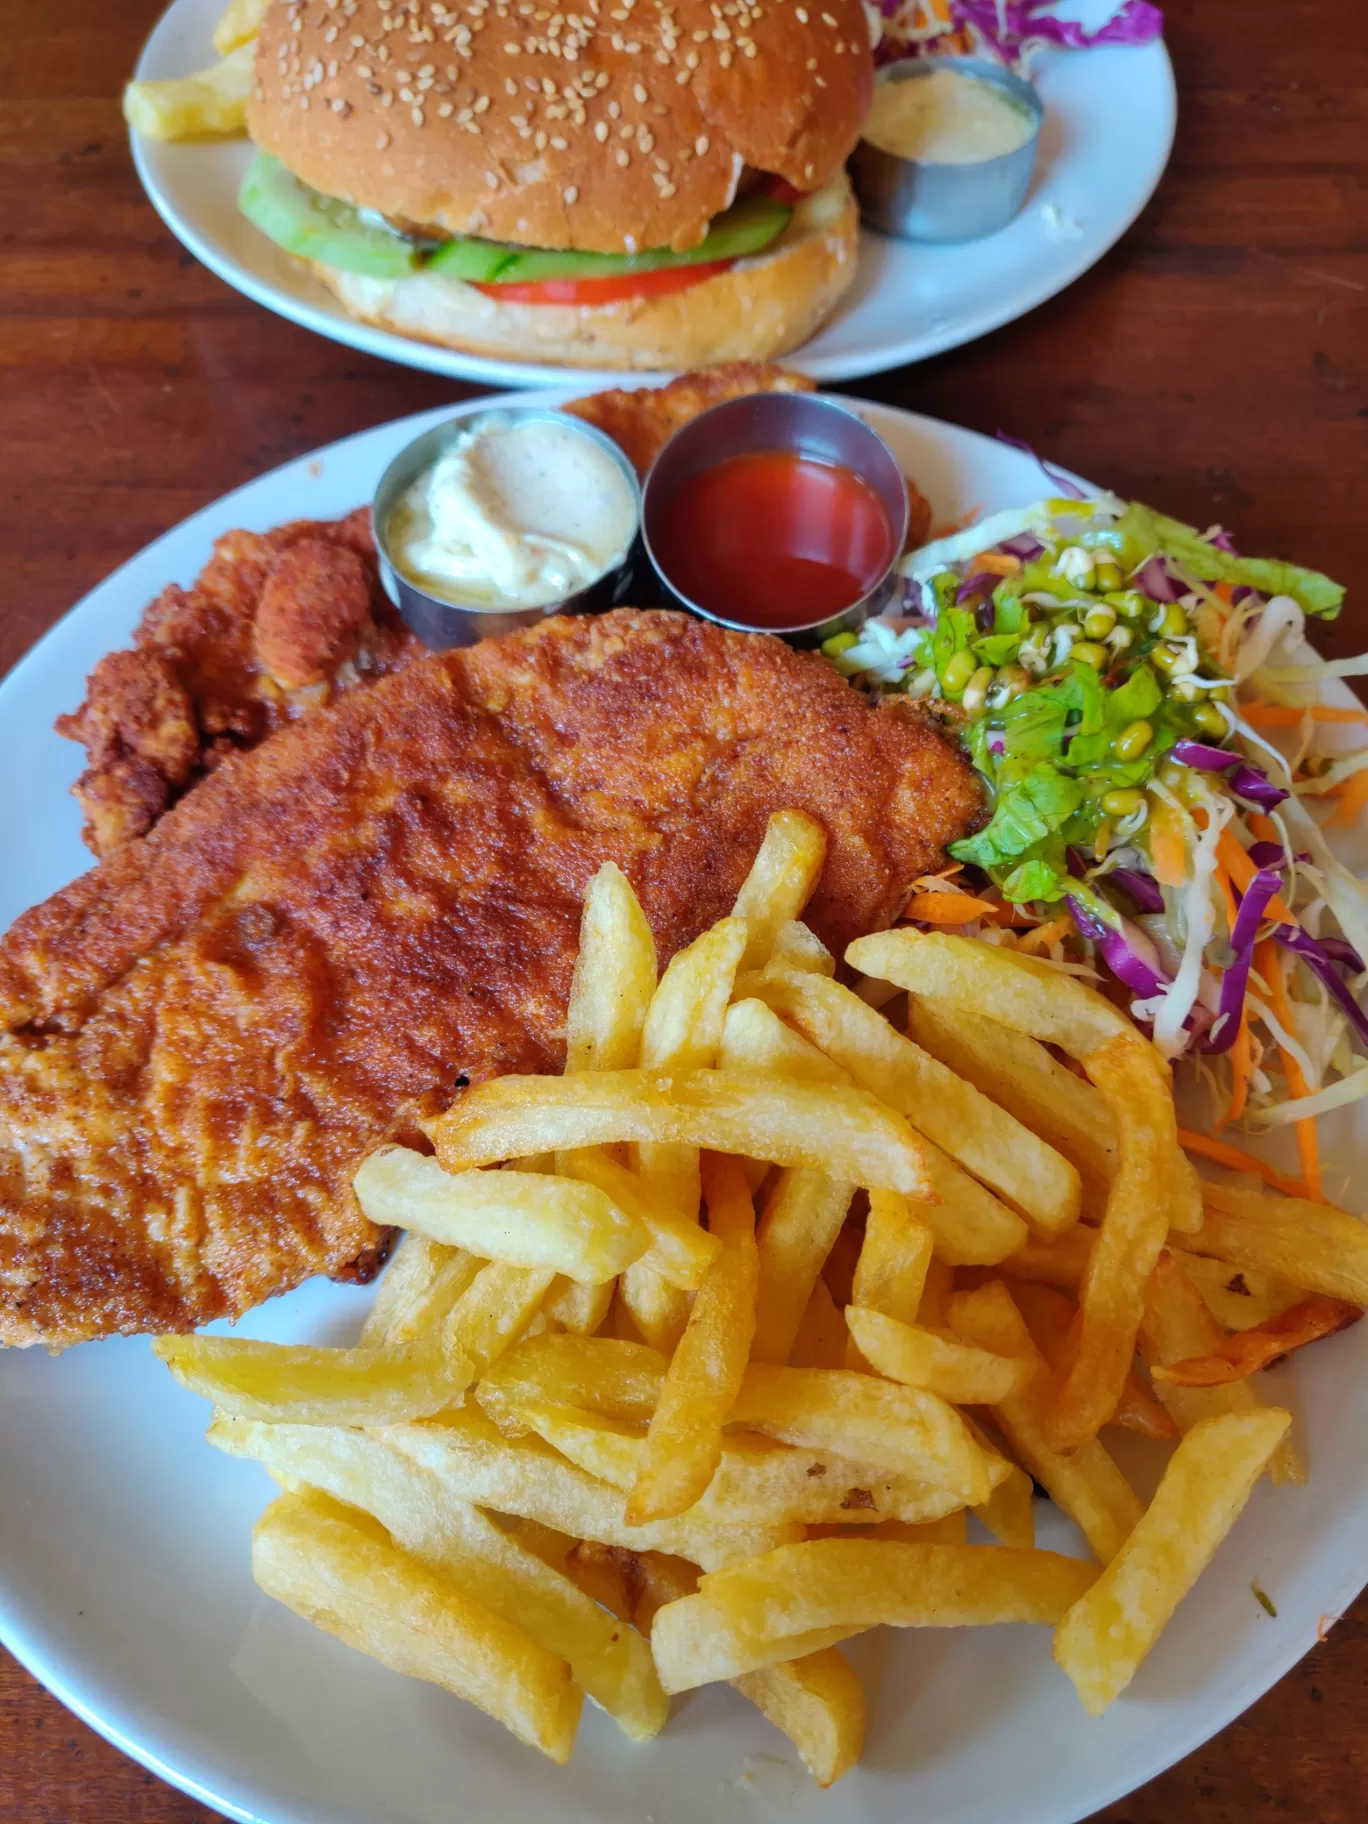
<point>476,261</point>
<point>318,227</point>
<point>746,227</point>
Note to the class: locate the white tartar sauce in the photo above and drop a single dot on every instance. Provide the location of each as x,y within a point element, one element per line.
<point>947,118</point>
<point>516,513</point>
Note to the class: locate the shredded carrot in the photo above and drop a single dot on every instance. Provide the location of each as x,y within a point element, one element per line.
<point>949,908</point>
<point>1045,935</point>
<point>1228,895</point>
<point>1238,1357</point>
<point>1239,1161</point>
<point>1262,827</point>
<point>995,563</point>
<point>1241,1070</point>
<point>1242,870</point>
<point>1167,850</point>
<point>1352,794</point>
<point>1224,592</point>
<point>1287,715</point>
<point>1269,965</point>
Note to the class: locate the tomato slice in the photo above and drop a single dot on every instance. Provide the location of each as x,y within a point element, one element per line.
<point>613,290</point>
<point>780,190</point>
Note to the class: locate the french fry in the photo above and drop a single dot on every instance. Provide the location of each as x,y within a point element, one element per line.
<point>621,1380</point>
<point>1050,1317</point>
<point>957,1371</point>
<point>1112,1294</point>
<point>802,1218</point>
<point>601,1572</point>
<point>473,1462</point>
<point>680,1252</point>
<point>818,1702</point>
<point>278,1382</point>
<point>1109,1630</point>
<point>615,977</point>
<point>612,1664</point>
<point>1019,1074</point>
<point>785,871</point>
<point>1054,1263</point>
<point>1240,1356</point>
<point>934,1309</point>
<point>1238,1298</point>
<point>684,1441</point>
<point>208,105</point>
<point>419,1286</point>
<point>1087,1485</point>
<point>577,1307</point>
<point>1009,1512</point>
<point>494,1311</point>
<point>1017,991</point>
<point>754,1038</point>
<point>1311,1245</point>
<point>983,1138</point>
<point>798,947</point>
<point>758,1482</point>
<point>337,1568</point>
<point>890,1275</point>
<point>752,1614</point>
<point>845,1132</point>
<point>899,1429</point>
<point>951,1529</point>
<point>821,1338</point>
<point>522,1218</point>
<point>1177,1326</point>
<point>239,24</point>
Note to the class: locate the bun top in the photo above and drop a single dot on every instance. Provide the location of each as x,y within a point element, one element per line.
<point>614,128</point>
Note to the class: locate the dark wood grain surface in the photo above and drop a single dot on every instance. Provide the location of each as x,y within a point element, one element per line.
<point>1215,363</point>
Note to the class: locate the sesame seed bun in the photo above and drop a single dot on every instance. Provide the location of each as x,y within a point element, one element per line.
<point>761,307</point>
<point>623,126</point>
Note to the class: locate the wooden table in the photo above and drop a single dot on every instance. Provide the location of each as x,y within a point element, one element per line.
<point>1216,364</point>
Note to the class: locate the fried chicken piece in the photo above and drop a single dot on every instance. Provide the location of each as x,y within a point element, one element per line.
<point>277,623</point>
<point>331,934</point>
<point>642,421</point>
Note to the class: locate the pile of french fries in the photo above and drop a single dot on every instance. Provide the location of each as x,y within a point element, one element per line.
<point>211,104</point>
<point>697,1360</point>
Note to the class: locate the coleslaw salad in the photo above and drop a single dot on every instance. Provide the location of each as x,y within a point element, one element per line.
<point>1140,704</point>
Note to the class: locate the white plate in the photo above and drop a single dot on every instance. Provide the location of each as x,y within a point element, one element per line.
<point>124,1579</point>
<point>1108,129</point>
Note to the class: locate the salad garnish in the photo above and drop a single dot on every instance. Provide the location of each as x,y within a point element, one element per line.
<point>1141,705</point>
<point>1012,32</point>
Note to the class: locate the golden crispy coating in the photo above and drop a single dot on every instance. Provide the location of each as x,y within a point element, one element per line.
<point>334,932</point>
<point>276,624</point>
<point>641,421</point>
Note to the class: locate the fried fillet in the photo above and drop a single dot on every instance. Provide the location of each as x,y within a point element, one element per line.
<point>642,420</point>
<point>277,624</point>
<point>338,930</point>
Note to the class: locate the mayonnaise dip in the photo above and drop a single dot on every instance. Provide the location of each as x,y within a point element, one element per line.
<point>515,513</point>
<point>947,118</point>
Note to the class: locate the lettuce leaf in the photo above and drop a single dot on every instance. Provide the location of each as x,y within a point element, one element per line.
<point>1029,810</point>
<point>1313,593</point>
<point>1034,879</point>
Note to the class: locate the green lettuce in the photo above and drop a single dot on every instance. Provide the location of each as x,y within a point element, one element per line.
<point>1029,810</point>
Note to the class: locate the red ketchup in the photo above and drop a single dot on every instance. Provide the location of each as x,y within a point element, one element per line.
<point>773,539</point>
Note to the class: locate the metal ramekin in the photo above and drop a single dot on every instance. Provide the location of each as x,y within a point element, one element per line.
<point>920,200</point>
<point>441,623</point>
<point>811,426</point>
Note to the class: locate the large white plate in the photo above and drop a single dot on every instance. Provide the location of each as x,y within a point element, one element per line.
<point>1108,130</point>
<point>124,1580</point>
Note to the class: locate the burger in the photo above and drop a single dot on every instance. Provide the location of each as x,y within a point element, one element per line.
<point>639,184</point>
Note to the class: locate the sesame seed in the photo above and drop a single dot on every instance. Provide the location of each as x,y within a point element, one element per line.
<point>638,92</point>
<point>386,98</point>
<point>570,193</point>
<point>828,20</point>
<point>812,63</point>
<point>682,76</point>
<point>623,158</point>
<point>558,144</point>
<point>444,110</point>
<point>750,49</point>
<point>646,141</point>
<point>363,70</point>
<point>406,95</point>
<point>821,82</point>
<point>809,170</point>
<point>614,109</point>
<point>724,58</point>
<point>510,87</point>
<point>511,49</point>
<point>381,141</point>
<point>701,144</point>
<point>800,13</point>
<point>482,104</point>
<point>667,189</point>
<point>600,130</point>
<point>491,180</point>
<point>417,116</point>
<point>540,142</point>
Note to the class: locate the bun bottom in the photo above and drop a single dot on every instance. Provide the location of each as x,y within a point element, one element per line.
<point>762,306</point>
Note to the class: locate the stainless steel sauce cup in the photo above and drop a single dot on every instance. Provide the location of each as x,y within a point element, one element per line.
<point>440,622</point>
<point>923,200</point>
<point>806,425</point>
